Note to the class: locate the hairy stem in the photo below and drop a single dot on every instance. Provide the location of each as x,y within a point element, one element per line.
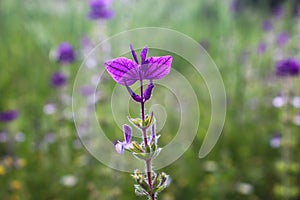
<point>149,161</point>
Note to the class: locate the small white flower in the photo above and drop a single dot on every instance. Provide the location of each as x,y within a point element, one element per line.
<point>244,188</point>
<point>49,109</point>
<point>279,101</point>
<point>69,180</point>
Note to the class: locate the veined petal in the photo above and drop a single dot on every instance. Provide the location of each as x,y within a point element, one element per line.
<point>123,70</point>
<point>157,67</point>
<point>127,133</point>
<point>143,54</point>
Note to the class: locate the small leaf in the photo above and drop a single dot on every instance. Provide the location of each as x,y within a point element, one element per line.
<point>136,148</point>
<point>136,121</point>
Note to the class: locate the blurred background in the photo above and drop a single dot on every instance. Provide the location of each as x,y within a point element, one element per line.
<point>42,45</point>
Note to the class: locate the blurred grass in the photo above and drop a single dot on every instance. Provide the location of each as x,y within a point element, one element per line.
<point>242,154</point>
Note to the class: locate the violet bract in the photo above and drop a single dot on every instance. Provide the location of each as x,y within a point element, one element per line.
<point>126,72</point>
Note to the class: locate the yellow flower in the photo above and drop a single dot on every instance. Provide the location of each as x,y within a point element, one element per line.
<point>2,170</point>
<point>15,185</point>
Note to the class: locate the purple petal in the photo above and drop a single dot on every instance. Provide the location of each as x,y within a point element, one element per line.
<point>153,132</point>
<point>119,147</point>
<point>133,95</point>
<point>157,67</point>
<point>123,70</point>
<point>148,92</point>
<point>134,54</point>
<point>127,133</point>
<point>144,54</point>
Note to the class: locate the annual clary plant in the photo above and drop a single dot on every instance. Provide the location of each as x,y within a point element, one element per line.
<point>126,72</point>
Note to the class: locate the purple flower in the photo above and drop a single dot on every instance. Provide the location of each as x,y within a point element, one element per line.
<point>287,67</point>
<point>298,11</point>
<point>99,9</point>
<point>126,72</point>
<point>58,79</point>
<point>3,137</point>
<point>275,140</point>
<point>282,38</point>
<point>86,44</point>
<point>87,90</point>
<point>267,25</point>
<point>235,6</point>
<point>121,146</point>
<point>9,116</point>
<point>65,53</point>
<point>261,48</point>
<point>278,11</point>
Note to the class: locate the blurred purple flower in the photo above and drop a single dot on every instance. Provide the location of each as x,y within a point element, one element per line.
<point>297,119</point>
<point>87,90</point>
<point>50,138</point>
<point>282,39</point>
<point>235,6</point>
<point>3,137</point>
<point>58,79</point>
<point>278,11</point>
<point>298,11</point>
<point>275,140</point>
<point>267,25</point>
<point>9,116</point>
<point>99,9</point>
<point>287,67</point>
<point>65,53</point>
<point>121,146</point>
<point>261,48</point>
